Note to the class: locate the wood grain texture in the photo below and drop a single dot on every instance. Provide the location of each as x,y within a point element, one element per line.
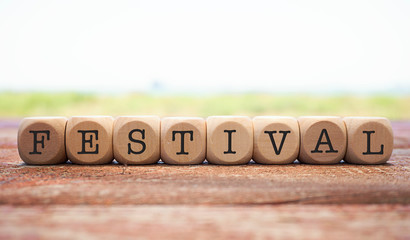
<point>370,140</point>
<point>276,140</point>
<point>205,201</point>
<point>229,140</point>
<point>89,139</point>
<point>323,140</point>
<point>136,139</point>
<point>183,140</point>
<point>206,222</point>
<point>42,140</point>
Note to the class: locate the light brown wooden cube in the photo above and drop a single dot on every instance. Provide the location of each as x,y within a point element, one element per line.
<point>41,140</point>
<point>229,140</point>
<point>323,140</point>
<point>183,140</point>
<point>369,140</point>
<point>89,139</point>
<point>275,140</point>
<point>136,139</point>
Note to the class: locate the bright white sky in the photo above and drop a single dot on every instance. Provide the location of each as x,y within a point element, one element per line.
<point>210,46</point>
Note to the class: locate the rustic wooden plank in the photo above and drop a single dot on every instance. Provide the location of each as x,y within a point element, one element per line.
<point>206,201</point>
<point>206,222</point>
<point>210,184</point>
<point>202,184</point>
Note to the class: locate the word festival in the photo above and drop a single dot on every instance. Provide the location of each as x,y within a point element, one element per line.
<point>227,140</point>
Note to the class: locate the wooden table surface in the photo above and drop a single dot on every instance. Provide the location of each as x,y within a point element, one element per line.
<point>205,201</point>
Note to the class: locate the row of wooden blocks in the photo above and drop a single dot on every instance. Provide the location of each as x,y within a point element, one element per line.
<point>227,140</point>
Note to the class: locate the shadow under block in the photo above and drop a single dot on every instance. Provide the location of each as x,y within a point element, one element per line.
<point>41,140</point>
<point>136,139</point>
<point>276,140</point>
<point>89,139</point>
<point>229,140</point>
<point>369,140</point>
<point>183,140</point>
<point>323,140</point>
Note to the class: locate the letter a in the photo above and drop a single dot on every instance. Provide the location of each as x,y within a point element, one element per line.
<point>328,142</point>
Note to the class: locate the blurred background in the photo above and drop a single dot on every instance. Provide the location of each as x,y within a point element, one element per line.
<point>201,58</point>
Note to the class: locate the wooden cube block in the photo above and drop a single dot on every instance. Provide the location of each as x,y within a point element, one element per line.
<point>183,140</point>
<point>229,140</point>
<point>41,140</point>
<point>369,140</point>
<point>276,140</point>
<point>323,140</point>
<point>89,139</point>
<point>136,139</point>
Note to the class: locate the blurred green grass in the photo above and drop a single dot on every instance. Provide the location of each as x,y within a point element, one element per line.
<point>69,104</point>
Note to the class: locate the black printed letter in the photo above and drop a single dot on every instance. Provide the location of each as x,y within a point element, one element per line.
<point>136,141</point>
<point>230,141</point>
<point>36,141</point>
<point>182,140</point>
<point>328,142</point>
<point>277,151</point>
<point>89,141</point>
<point>368,145</point>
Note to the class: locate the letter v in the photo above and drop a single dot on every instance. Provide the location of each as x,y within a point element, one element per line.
<point>270,133</point>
